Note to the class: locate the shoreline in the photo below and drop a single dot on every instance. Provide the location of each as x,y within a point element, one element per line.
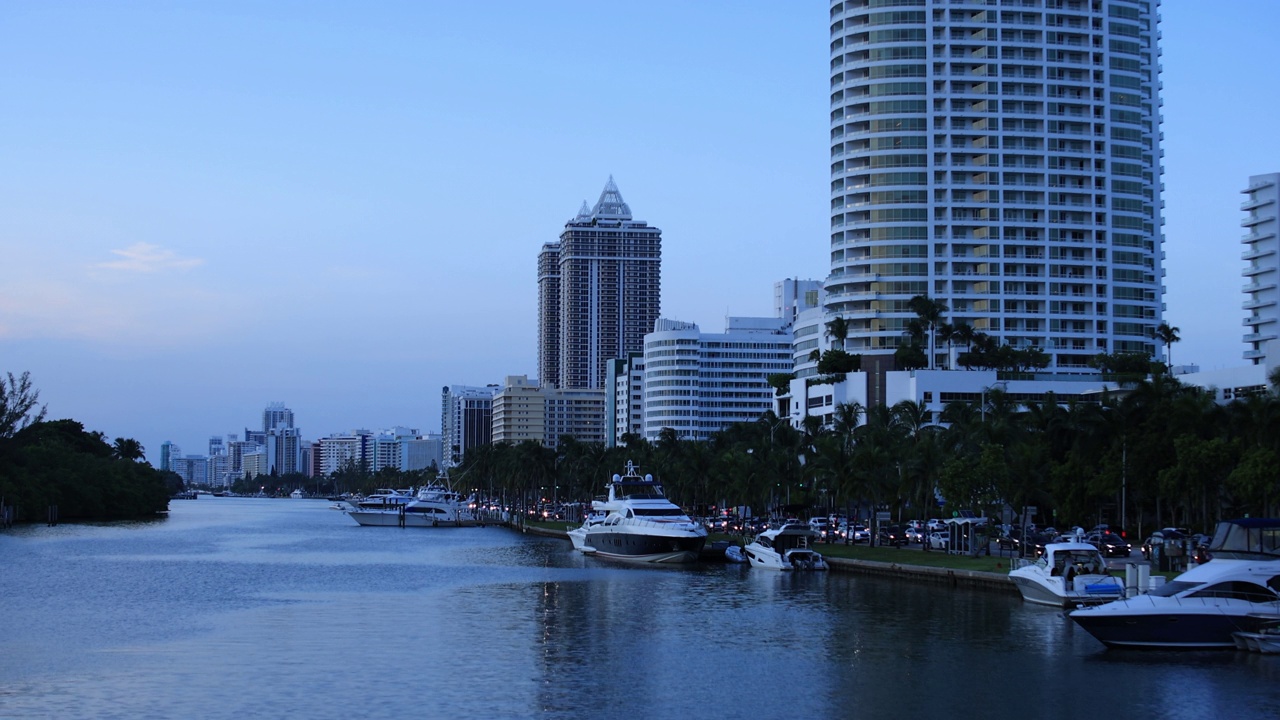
<point>994,582</point>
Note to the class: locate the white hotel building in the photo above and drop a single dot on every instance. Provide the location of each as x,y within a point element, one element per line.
<point>1004,159</point>
<point>697,383</point>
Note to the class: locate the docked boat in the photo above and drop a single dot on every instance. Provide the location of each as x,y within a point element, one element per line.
<point>1067,574</point>
<point>382,499</point>
<point>637,523</point>
<point>296,494</point>
<point>1238,592</point>
<point>787,547</point>
<point>431,506</point>
<point>1265,641</point>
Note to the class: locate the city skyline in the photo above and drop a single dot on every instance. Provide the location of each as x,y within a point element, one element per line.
<point>210,208</point>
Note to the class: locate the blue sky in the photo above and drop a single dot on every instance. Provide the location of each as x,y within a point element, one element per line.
<point>207,207</point>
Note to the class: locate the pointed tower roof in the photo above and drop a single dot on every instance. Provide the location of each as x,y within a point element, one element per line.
<point>610,205</point>
<point>584,213</point>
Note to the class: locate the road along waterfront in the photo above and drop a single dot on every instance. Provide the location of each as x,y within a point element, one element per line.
<point>238,608</point>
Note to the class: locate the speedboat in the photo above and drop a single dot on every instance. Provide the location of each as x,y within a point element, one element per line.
<point>1068,574</point>
<point>1239,591</point>
<point>787,547</point>
<point>636,522</point>
<point>431,506</point>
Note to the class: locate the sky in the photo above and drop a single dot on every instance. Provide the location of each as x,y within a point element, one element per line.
<point>206,207</point>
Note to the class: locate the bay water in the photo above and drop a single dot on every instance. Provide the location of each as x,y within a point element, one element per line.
<point>243,607</point>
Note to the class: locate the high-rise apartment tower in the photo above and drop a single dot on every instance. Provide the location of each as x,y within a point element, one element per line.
<point>599,291</point>
<point>1002,157</point>
<point>1262,253</point>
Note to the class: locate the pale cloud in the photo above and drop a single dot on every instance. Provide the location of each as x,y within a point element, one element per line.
<point>144,257</point>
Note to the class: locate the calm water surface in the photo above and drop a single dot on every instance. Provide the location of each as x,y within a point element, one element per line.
<point>236,607</point>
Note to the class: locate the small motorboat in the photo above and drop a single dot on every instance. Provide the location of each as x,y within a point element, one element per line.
<point>1068,574</point>
<point>789,547</point>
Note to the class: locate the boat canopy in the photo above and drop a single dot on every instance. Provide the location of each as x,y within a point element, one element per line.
<point>1247,538</point>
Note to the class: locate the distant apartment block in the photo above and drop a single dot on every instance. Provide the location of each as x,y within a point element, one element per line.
<point>466,418</point>
<point>522,410</point>
<point>339,449</point>
<point>276,415</point>
<point>404,449</point>
<point>793,296</point>
<point>519,411</point>
<point>624,406</point>
<point>1262,274</point>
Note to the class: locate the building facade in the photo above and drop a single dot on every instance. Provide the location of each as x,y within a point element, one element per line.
<point>599,291</point>
<point>466,419</point>
<point>1262,274</point>
<point>519,411</point>
<point>698,383</point>
<point>1002,159</point>
<point>624,406</point>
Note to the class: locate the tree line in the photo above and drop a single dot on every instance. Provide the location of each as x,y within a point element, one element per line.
<point>1156,453</point>
<point>58,463</point>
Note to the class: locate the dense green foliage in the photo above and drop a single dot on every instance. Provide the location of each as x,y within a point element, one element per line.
<point>1158,454</point>
<point>59,463</point>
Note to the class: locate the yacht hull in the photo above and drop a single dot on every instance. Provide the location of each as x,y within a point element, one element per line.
<point>643,548</point>
<point>1167,630</point>
<point>394,518</point>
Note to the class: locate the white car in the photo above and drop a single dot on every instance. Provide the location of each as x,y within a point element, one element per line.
<point>819,525</point>
<point>939,540</point>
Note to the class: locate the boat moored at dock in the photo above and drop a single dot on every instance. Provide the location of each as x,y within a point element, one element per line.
<point>1237,591</point>
<point>637,523</point>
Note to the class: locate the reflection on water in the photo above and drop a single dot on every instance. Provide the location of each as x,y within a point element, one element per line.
<point>283,608</point>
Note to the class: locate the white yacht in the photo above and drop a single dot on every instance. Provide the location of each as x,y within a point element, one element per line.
<point>636,522</point>
<point>431,506</point>
<point>381,499</point>
<point>1068,574</point>
<point>1237,591</point>
<point>788,547</point>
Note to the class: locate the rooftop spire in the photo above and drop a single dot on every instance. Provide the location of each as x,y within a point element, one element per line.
<point>584,213</point>
<point>610,205</point>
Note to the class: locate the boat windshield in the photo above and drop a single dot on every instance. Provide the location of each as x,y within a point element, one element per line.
<point>659,512</point>
<point>640,491</point>
<point>1172,588</point>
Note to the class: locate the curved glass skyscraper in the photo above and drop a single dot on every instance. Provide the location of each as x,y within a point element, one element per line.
<point>1002,157</point>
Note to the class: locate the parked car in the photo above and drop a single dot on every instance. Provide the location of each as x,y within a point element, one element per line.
<point>819,525</point>
<point>939,540</point>
<point>1011,539</point>
<point>1109,544</point>
<point>891,535</point>
<point>853,533</point>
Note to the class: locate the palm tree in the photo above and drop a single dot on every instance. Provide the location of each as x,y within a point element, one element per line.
<point>1167,335</point>
<point>930,313</point>
<point>128,449</point>
<point>838,329</point>
<point>947,334</point>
